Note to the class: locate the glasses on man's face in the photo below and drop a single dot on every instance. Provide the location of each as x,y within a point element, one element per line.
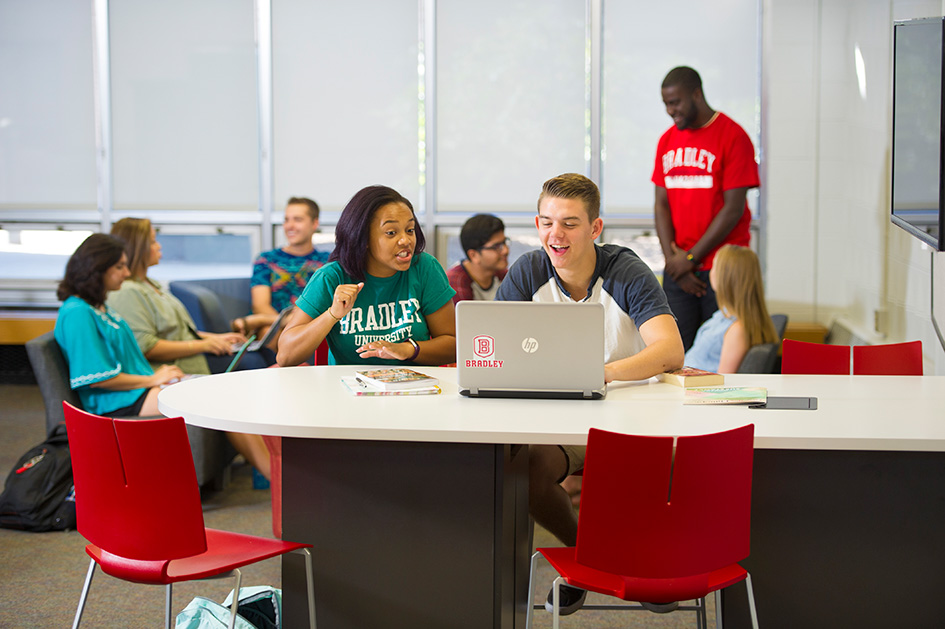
<point>502,244</point>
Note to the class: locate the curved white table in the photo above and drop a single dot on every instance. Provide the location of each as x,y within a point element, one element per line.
<point>416,504</point>
<point>311,402</point>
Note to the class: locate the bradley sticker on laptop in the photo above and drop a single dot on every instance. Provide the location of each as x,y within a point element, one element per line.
<point>484,349</point>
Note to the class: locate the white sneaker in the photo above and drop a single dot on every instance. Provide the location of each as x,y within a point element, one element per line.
<point>570,599</point>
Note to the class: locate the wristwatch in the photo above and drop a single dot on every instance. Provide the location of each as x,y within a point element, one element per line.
<point>416,348</point>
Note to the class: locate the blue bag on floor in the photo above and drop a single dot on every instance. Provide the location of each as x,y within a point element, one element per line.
<point>260,607</point>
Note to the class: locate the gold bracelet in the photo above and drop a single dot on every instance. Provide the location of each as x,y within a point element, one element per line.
<point>332,315</point>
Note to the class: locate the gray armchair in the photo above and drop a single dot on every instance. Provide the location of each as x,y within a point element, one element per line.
<point>52,376</point>
<point>763,358</point>
<point>780,324</point>
<point>211,449</point>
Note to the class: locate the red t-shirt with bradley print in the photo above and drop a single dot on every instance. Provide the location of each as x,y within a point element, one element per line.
<point>696,166</point>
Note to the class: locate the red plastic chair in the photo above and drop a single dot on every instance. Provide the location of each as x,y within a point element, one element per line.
<point>655,526</point>
<point>893,359</point>
<point>139,507</point>
<point>798,357</point>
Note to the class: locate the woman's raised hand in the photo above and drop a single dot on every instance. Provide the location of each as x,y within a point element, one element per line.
<point>343,300</point>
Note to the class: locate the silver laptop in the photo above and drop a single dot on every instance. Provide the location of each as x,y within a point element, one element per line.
<point>528,349</point>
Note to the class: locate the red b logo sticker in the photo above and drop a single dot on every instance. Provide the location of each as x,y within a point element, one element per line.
<point>484,346</point>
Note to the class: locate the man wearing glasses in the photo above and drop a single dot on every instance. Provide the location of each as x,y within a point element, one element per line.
<point>487,259</point>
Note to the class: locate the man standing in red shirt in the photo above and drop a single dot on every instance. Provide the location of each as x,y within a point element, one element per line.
<point>705,165</point>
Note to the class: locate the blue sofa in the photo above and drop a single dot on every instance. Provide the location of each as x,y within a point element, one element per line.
<point>214,303</point>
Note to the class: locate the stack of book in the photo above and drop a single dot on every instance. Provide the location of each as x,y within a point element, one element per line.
<point>391,381</point>
<point>726,395</point>
<point>692,377</point>
<point>704,387</point>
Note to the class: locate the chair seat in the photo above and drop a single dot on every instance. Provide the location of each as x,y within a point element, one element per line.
<point>639,589</point>
<point>225,551</point>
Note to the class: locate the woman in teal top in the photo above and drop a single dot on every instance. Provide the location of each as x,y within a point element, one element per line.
<point>106,367</point>
<point>380,300</point>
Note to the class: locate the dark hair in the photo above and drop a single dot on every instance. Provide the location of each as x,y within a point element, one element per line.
<point>312,206</point>
<point>353,231</point>
<point>136,233</point>
<point>478,229</point>
<point>87,266</point>
<point>685,77</point>
<point>573,186</point>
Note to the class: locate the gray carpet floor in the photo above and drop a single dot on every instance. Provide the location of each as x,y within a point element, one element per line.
<point>42,573</point>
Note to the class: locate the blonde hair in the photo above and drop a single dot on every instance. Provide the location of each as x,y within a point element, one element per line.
<point>740,291</point>
<point>136,233</point>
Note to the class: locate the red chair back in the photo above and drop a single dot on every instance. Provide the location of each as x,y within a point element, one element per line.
<point>798,357</point>
<point>321,354</point>
<point>893,359</point>
<point>693,509</point>
<point>136,487</point>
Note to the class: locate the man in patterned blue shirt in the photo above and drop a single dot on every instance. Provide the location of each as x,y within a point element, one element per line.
<point>280,275</point>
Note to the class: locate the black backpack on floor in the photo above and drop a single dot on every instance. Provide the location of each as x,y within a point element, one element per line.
<point>39,494</point>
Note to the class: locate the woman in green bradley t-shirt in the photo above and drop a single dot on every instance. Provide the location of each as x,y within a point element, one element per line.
<point>380,300</point>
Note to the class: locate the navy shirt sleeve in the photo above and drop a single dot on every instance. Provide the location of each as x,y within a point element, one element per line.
<point>520,282</point>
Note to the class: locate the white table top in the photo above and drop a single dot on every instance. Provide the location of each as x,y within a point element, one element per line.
<point>855,412</point>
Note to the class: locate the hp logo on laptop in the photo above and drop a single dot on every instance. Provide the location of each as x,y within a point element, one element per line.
<point>530,345</point>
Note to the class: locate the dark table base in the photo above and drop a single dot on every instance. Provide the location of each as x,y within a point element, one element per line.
<point>407,534</point>
<point>845,539</point>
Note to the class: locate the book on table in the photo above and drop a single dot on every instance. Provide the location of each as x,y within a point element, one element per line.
<point>725,395</point>
<point>396,379</point>
<point>356,386</point>
<point>692,377</point>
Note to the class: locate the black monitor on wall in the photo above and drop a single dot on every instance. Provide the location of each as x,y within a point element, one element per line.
<point>918,198</point>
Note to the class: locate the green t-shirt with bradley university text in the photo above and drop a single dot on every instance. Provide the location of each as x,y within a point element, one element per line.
<point>387,308</point>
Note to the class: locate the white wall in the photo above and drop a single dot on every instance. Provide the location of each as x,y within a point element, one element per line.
<point>832,252</point>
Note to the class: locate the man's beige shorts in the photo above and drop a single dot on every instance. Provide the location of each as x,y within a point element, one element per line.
<point>575,456</point>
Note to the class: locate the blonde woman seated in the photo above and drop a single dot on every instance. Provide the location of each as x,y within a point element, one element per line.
<point>742,320</point>
<point>165,332</point>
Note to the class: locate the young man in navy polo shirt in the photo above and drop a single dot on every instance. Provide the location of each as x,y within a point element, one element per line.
<point>640,334</point>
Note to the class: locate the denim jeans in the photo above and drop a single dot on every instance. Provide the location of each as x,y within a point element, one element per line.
<point>690,311</point>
